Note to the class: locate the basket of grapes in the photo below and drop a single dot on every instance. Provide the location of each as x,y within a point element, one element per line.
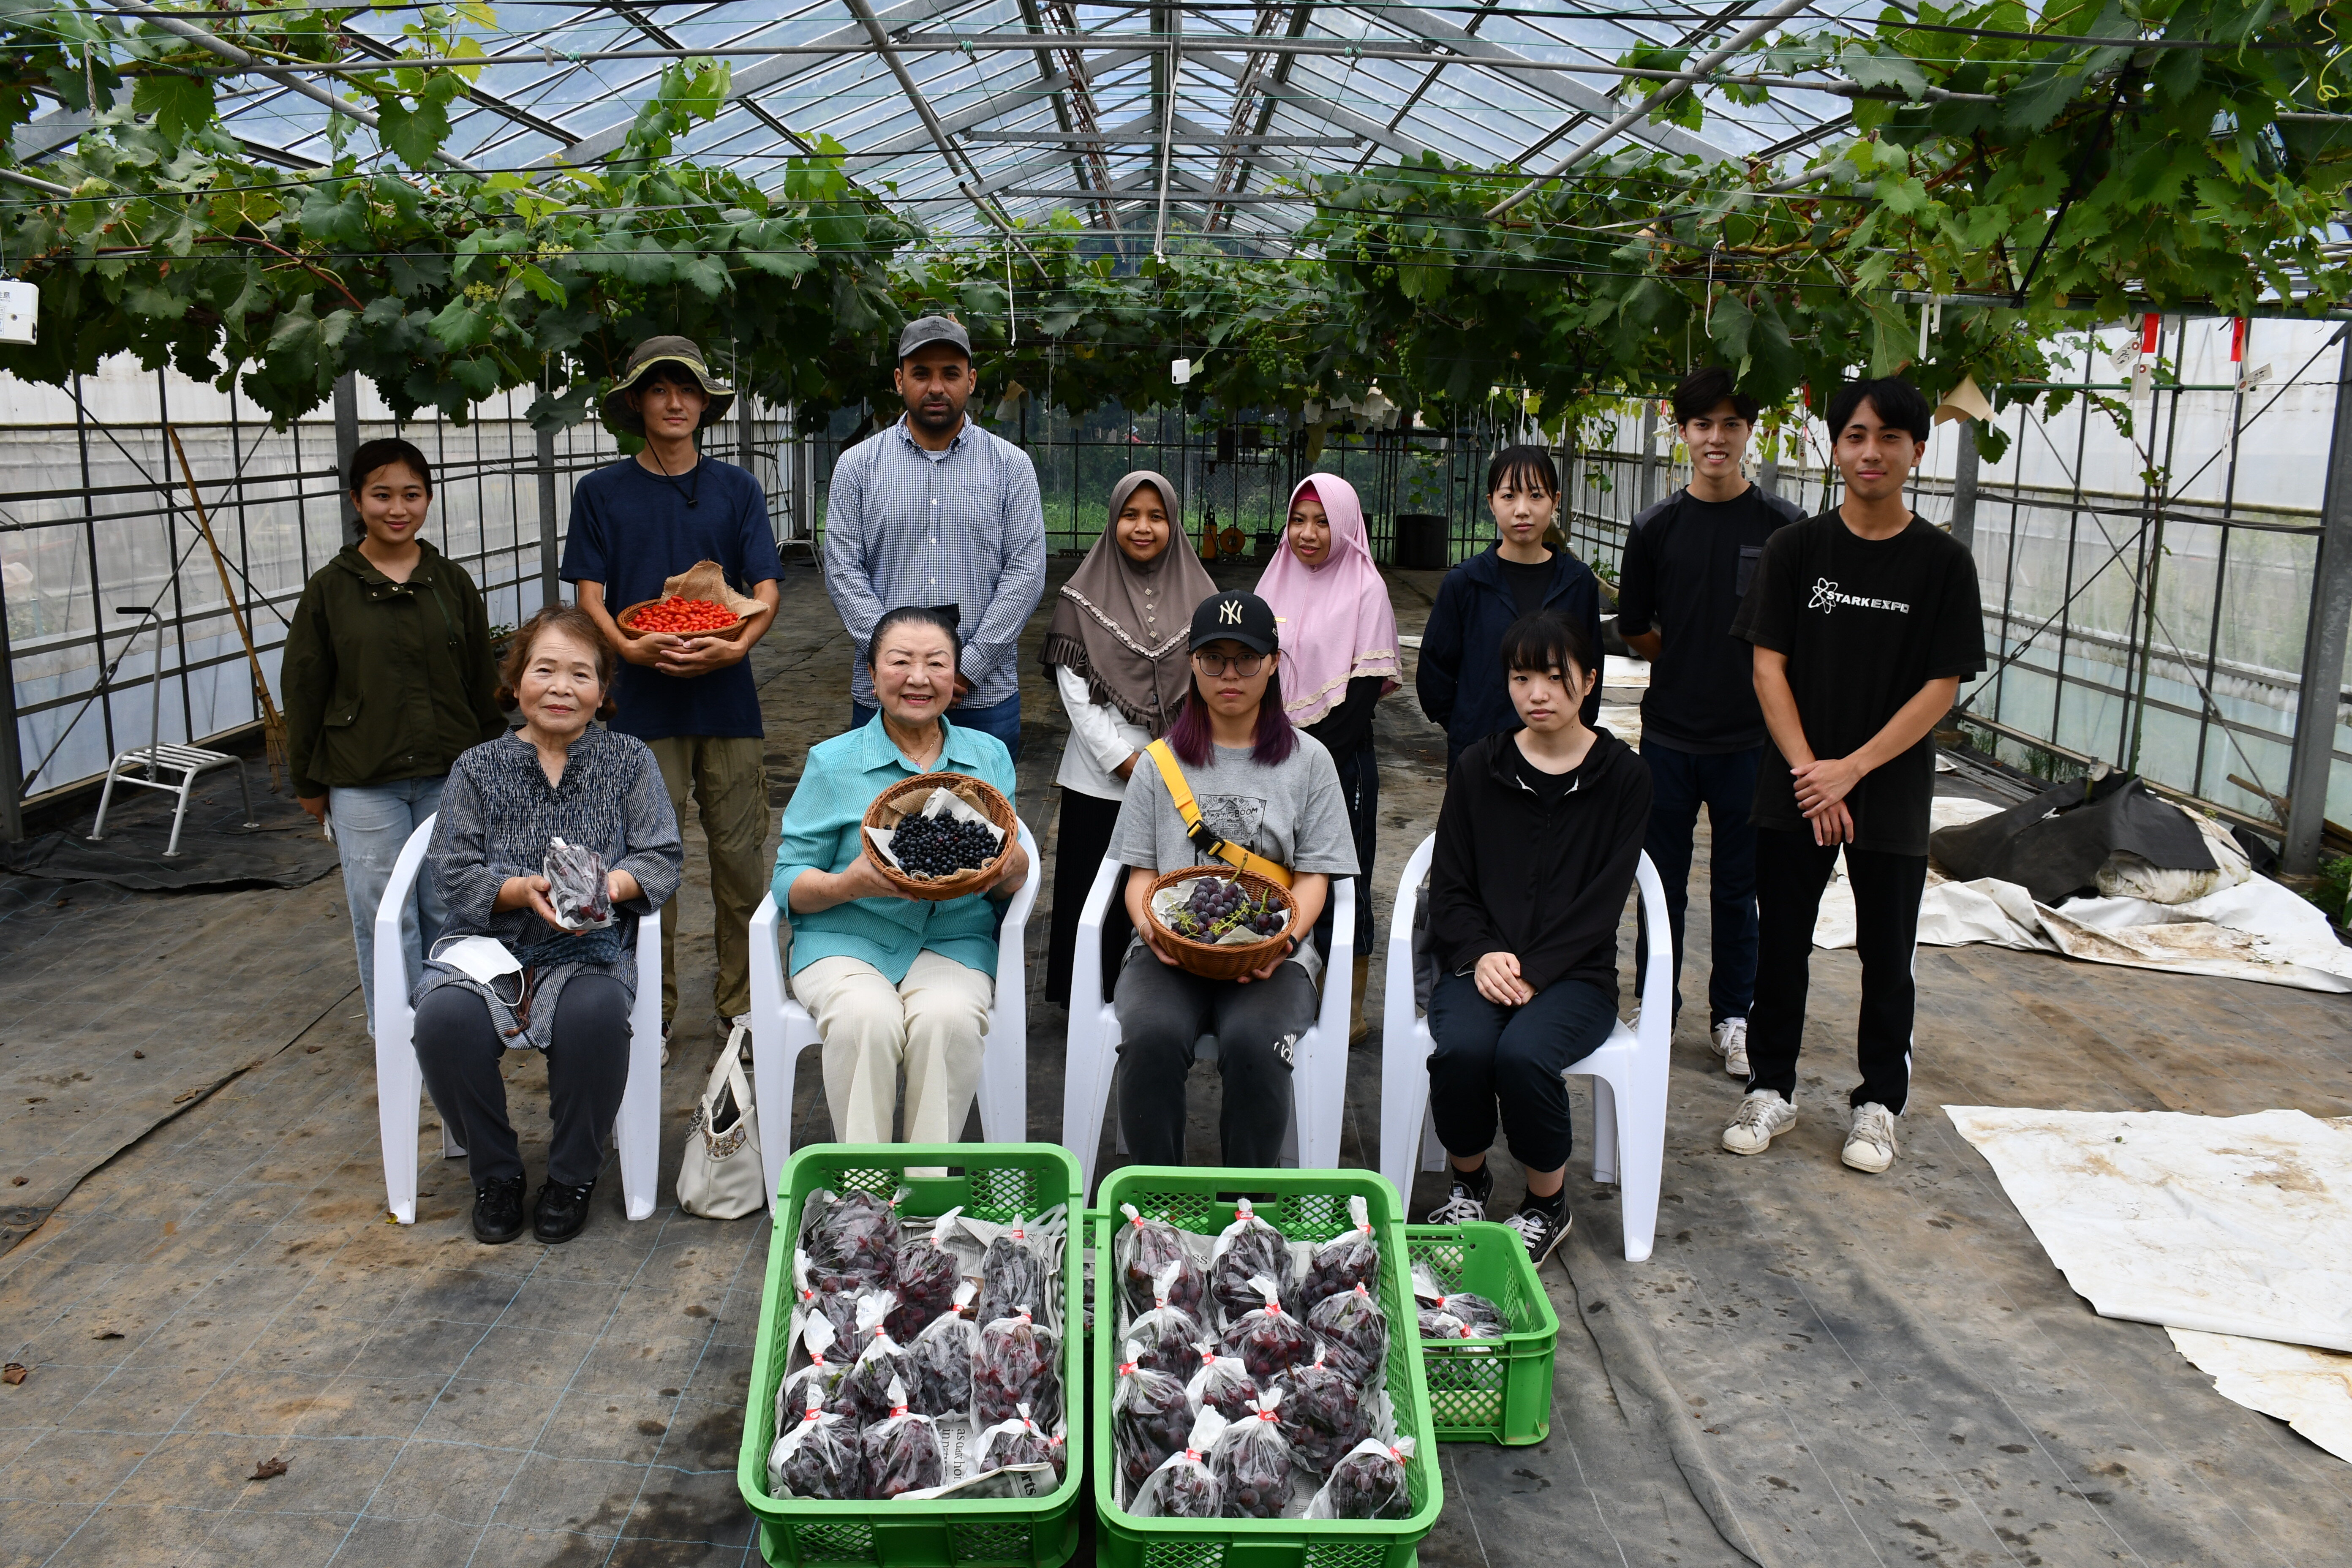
<point>940,836</point>
<point>1220,923</point>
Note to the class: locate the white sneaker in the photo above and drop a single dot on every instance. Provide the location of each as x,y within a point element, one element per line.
<point>1871,1145</point>
<point>1730,1042</point>
<point>1762,1116</point>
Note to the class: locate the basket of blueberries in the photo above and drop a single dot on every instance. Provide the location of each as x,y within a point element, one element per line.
<point>940,836</point>
<point>1220,923</point>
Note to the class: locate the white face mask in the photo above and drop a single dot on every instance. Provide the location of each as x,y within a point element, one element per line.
<point>482,958</point>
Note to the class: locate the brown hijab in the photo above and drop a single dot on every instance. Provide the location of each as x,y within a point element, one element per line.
<point>1123,626</point>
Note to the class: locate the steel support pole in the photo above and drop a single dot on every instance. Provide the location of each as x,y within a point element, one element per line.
<point>1645,485</point>
<point>1964,486</point>
<point>2323,644</point>
<point>550,591</point>
<point>347,425</point>
<point>12,764</point>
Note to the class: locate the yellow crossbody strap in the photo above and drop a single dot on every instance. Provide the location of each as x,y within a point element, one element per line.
<point>1206,841</point>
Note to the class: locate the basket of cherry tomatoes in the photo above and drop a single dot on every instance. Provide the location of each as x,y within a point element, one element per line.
<point>680,616</point>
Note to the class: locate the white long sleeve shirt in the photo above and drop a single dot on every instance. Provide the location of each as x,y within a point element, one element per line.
<point>1101,739</point>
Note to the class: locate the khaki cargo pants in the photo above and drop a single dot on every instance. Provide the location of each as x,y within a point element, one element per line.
<point>728,777</point>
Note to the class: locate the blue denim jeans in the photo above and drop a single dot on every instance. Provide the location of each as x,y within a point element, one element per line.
<point>1002,719</point>
<point>1725,783</point>
<point>372,822</point>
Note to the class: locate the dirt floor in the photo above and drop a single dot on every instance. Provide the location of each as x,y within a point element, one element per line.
<point>1814,1367</point>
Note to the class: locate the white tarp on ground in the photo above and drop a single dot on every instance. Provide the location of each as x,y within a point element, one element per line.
<point>2310,1390</point>
<point>2254,931</point>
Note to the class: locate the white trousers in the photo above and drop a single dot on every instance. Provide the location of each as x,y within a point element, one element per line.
<point>932,1021</point>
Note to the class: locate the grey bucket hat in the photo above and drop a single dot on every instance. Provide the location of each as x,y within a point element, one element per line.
<point>659,351</point>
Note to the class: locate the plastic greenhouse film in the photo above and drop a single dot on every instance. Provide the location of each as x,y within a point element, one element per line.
<point>1368,1483</point>
<point>1184,1487</point>
<point>900,1453</point>
<point>1252,1464</point>
<point>1143,1249</point>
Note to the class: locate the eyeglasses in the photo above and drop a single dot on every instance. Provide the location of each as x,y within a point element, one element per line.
<point>1242,664</point>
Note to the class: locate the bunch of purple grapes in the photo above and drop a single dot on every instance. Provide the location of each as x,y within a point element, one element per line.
<point>1220,905</point>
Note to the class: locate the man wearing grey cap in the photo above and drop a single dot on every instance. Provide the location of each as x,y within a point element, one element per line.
<point>935,512</point>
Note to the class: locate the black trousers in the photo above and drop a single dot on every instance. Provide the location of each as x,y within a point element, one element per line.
<point>587,1068</point>
<point>1079,846</point>
<point>1791,872</point>
<point>1360,787</point>
<point>1162,1012</point>
<point>1487,1059</point>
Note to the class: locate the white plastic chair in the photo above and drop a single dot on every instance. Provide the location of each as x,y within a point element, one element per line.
<point>400,1081</point>
<point>1319,1067</point>
<point>781,1029</point>
<point>1628,1070</point>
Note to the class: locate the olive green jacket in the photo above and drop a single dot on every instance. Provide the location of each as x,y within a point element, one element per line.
<point>386,681</point>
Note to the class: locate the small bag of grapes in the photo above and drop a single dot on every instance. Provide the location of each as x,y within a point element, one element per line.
<point>1184,1487</point>
<point>1356,1331</point>
<point>1348,1259</point>
<point>1224,1385</point>
<point>1168,1334</point>
<point>837,1306</point>
<point>1145,1247</point>
<point>923,1276</point>
<point>1015,1275</point>
<point>1149,1415</point>
<point>1014,1367</point>
<point>850,1237</point>
<point>900,1453</point>
<point>817,1383</point>
<point>816,1456</point>
<point>881,1364</point>
<point>1269,1340</point>
<point>576,888</point>
<point>942,1356</point>
<point>1252,1462</point>
<point>1017,1441</point>
<point>1460,1316</point>
<point>1246,1249</point>
<point>1368,1483</point>
<point>1323,1415</point>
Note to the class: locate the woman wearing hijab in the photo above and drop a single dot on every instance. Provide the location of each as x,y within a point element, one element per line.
<point>1339,642</point>
<point>1116,649</point>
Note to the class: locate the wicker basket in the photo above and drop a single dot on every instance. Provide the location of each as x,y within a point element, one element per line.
<point>908,796</point>
<point>1212,961</point>
<point>627,615</point>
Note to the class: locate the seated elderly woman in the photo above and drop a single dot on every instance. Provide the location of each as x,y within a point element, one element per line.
<point>889,979</point>
<point>567,993</point>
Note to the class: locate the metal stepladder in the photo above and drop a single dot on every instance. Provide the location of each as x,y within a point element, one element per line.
<point>157,758</point>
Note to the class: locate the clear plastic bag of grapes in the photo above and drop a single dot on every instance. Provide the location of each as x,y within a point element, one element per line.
<point>1324,1413</point>
<point>1356,1332</point>
<point>1252,1462</point>
<point>1224,1385</point>
<point>1017,1275</point>
<point>1014,1366</point>
<point>1184,1487</point>
<point>1150,1417</point>
<point>1370,1482</point>
<point>900,1453</point>
<point>850,1237</point>
<point>837,1306</point>
<point>1016,1441</point>
<point>1459,1316</point>
<point>816,1456</point>
<point>941,1357</point>
<point>1269,1340</point>
<point>1246,1249</point>
<point>881,1362</point>
<point>1348,1259</point>
<point>1168,1334</point>
<point>1143,1247</point>
<point>818,1382</point>
<point>576,888</point>
<point>923,1276</point>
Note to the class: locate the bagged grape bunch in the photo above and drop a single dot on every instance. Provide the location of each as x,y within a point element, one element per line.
<point>942,1356</point>
<point>1269,1340</point>
<point>1014,1367</point>
<point>1246,1249</point>
<point>881,1365</point>
<point>1184,1487</point>
<point>1356,1332</point>
<point>1348,1259</point>
<point>1168,1334</point>
<point>1014,1276</point>
<point>576,888</point>
<point>1020,1441</point>
<point>1460,1316</point>
<point>1252,1462</point>
<point>1323,1415</point>
<point>1143,1247</point>
<point>838,1306</point>
<point>817,1383</point>
<point>851,1237</point>
<point>816,1456</point>
<point>1368,1483</point>
<point>1224,1385</point>
<point>900,1453</point>
<point>1150,1417</point>
<point>923,1276</point>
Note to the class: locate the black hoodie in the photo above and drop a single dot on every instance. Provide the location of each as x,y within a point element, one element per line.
<point>1546,883</point>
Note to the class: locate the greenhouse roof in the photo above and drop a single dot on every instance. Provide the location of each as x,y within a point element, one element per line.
<point>980,110</point>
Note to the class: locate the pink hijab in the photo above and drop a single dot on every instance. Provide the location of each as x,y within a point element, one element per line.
<point>1334,618</point>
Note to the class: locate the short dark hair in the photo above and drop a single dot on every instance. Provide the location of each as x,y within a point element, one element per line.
<point>915,615</point>
<point>668,372</point>
<point>576,624</point>
<point>1545,640</point>
<point>1519,464</point>
<point>383,453</point>
<point>1898,403</point>
<point>1703,389</point>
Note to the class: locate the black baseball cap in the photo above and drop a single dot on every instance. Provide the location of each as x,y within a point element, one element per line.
<point>1237,617</point>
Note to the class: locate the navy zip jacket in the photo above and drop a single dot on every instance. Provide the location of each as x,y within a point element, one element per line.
<point>1460,680</point>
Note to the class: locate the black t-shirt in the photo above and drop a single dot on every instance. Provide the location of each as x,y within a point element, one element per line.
<point>1687,565</point>
<point>1548,787</point>
<point>1865,623</point>
<point>1527,583</point>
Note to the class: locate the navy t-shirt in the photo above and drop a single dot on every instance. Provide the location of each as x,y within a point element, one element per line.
<point>632,530</point>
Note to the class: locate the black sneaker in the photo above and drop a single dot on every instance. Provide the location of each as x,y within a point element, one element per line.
<point>561,1211</point>
<point>1465,1200</point>
<point>497,1210</point>
<point>1542,1229</point>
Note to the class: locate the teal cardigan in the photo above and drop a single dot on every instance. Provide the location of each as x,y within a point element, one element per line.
<point>822,832</point>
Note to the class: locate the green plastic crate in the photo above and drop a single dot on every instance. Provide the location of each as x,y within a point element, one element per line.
<point>1304,1206</point>
<point>992,1182</point>
<point>1489,1391</point>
